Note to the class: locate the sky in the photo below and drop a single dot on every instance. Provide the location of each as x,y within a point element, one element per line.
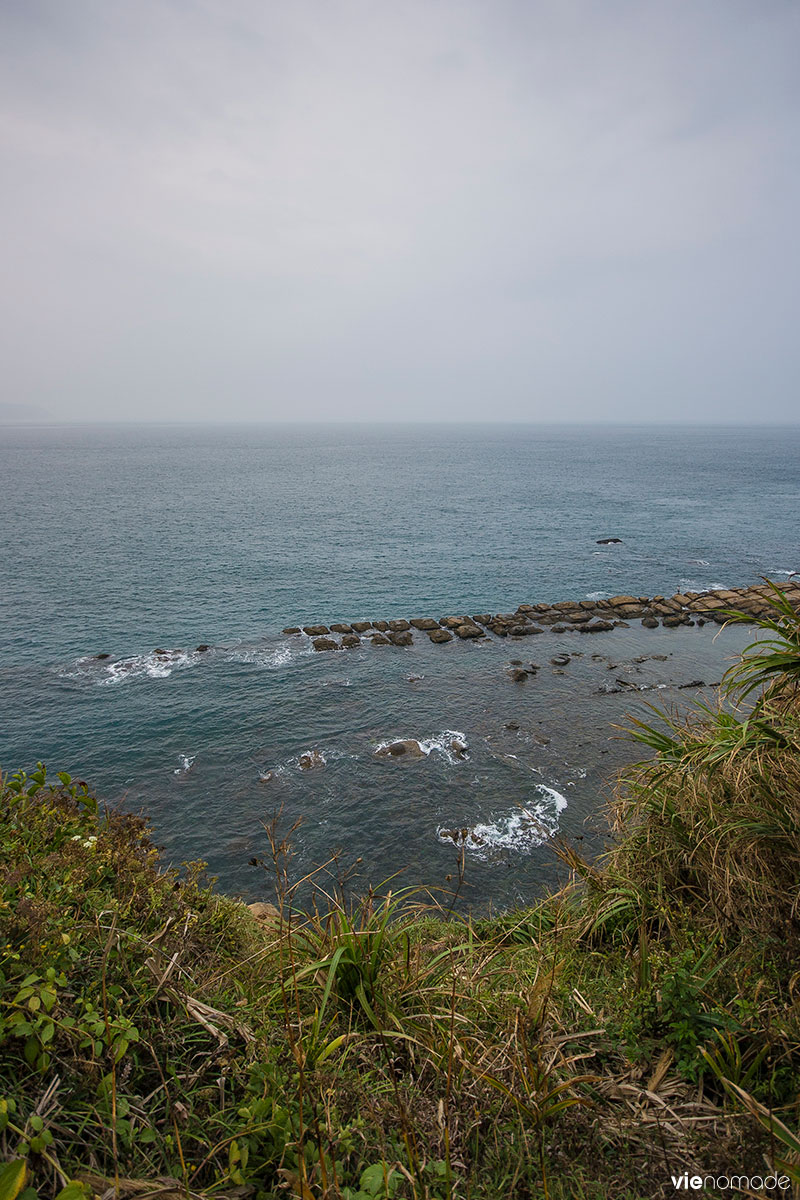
<point>421,210</point>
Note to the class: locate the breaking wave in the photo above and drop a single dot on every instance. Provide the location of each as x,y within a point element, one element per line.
<point>521,830</point>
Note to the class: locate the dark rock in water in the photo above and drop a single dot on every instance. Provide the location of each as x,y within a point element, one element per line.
<point>532,668</point>
<point>458,748</point>
<point>560,660</point>
<point>201,649</point>
<point>161,652</point>
<point>341,628</point>
<point>292,629</point>
<point>672,622</point>
<point>597,626</point>
<point>516,662</point>
<point>424,623</point>
<point>316,630</point>
<point>482,618</point>
<point>440,635</point>
<point>350,641</point>
<point>469,631</point>
<point>402,637</point>
<point>559,629</point>
<point>311,760</point>
<point>454,622</point>
<point>398,626</point>
<point>404,748</point>
<point>325,643</point>
<point>519,675</point>
<point>609,541</point>
<point>361,626</point>
<point>694,683</point>
<point>650,622</point>
<point>105,655</point>
<point>381,626</point>
<point>512,725</point>
<point>378,639</point>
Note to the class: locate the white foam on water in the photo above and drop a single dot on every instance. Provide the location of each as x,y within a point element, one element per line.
<point>786,574</point>
<point>151,666</point>
<point>521,830</point>
<point>694,585</point>
<point>261,656</point>
<point>439,743</point>
<point>186,761</point>
<point>598,595</point>
<point>698,562</point>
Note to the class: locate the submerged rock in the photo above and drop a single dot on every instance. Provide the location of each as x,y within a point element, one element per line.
<point>201,649</point>
<point>403,748</point>
<point>378,639</point>
<point>519,674</point>
<point>104,654</point>
<point>402,637</point>
<point>560,660</point>
<point>292,629</point>
<point>311,760</point>
<point>609,541</point>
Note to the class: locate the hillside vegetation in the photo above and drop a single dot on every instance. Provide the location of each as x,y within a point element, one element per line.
<point>157,1039</point>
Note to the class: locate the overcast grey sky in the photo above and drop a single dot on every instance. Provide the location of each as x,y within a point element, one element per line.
<point>405,209</point>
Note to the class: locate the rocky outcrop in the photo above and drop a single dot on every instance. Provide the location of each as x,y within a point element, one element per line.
<point>311,760</point>
<point>325,643</point>
<point>403,748</point>
<point>565,616</point>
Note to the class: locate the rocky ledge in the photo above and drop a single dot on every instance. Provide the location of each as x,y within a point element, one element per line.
<point>580,616</point>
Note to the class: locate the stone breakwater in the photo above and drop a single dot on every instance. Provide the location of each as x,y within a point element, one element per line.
<point>580,616</point>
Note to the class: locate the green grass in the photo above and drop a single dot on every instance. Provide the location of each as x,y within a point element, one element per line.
<point>156,1039</point>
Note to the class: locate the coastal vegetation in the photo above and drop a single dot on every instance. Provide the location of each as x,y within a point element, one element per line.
<point>158,1038</point>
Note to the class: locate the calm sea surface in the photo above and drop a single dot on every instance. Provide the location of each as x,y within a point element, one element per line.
<point>126,540</point>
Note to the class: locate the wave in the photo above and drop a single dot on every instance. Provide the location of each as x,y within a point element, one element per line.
<point>520,831</point>
<point>450,743</point>
<point>694,585</point>
<point>186,762</point>
<point>599,595</point>
<point>261,656</point>
<point>155,665</point>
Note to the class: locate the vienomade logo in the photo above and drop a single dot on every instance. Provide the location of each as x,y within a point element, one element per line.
<point>739,1183</point>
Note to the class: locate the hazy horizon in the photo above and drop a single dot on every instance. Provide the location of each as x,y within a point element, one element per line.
<point>469,212</point>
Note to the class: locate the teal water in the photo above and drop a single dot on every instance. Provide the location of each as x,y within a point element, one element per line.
<point>123,540</point>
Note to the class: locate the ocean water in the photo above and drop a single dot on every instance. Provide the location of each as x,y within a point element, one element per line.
<point>128,540</point>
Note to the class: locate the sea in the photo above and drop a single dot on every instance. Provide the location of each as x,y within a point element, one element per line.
<point>142,543</point>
